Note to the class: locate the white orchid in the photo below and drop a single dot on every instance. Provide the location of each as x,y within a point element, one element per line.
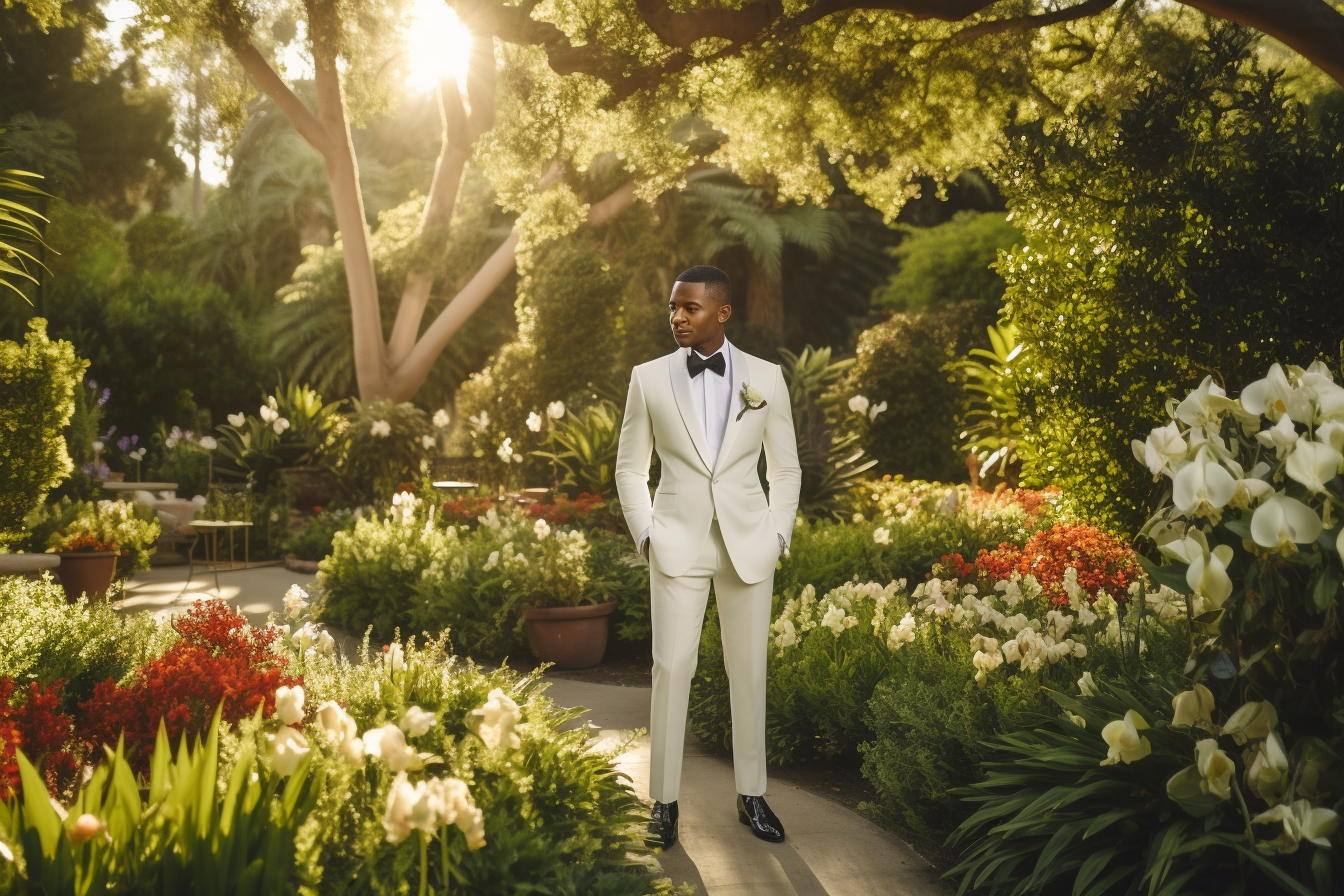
<point>1282,522</point>
<point>1253,721</point>
<point>1282,436</point>
<point>268,413</point>
<point>1207,571</point>
<point>1202,487</point>
<point>1301,821</point>
<point>380,428</point>
<point>1194,709</point>
<point>1267,771</point>
<point>1086,686</point>
<point>555,410</point>
<point>237,419</point>
<point>876,409</point>
<point>280,425</point>
<point>289,704</point>
<point>1164,445</point>
<point>534,421</point>
<point>859,404</point>
<point>1206,404</point>
<point>1125,742</point>
<point>499,719</point>
<point>286,749</point>
<point>1314,464</point>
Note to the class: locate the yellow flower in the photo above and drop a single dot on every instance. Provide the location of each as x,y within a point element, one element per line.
<point>1125,742</point>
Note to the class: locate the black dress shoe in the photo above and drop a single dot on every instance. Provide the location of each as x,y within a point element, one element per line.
<point>753,812</point>
<point>663,829</point>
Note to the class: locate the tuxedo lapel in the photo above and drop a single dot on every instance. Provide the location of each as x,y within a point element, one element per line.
<point>741,376</point>
<point>681,390</point>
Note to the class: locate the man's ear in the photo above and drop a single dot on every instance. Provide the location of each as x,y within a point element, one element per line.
<point>725,312</point>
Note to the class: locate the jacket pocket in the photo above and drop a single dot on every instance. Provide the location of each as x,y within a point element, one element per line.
<point>664,502</point>
<point>756,502</point>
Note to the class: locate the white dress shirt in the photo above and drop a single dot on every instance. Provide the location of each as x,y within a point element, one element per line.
<point>713,395</point>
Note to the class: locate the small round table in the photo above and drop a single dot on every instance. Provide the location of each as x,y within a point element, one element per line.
<point>156,488</point>
<point>213,528</point>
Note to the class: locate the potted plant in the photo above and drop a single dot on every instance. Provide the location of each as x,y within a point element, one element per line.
<point>88,565</point>
<point>549,575</point>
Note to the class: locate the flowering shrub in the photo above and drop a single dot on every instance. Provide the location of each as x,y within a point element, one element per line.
<point>84,542</point>
<point>36,725</point>
<point>1101,563</point>
<point>586,510</point>
<point>219,660</point>
<point>125,526</point>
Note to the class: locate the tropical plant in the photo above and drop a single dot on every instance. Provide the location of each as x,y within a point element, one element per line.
<point>20,228</point>
<point>377,446</point>
<point>38,380</point>
<point>585,445</point>
<point>292,427</point>
<point>828,449</point>
<point>993,430</point>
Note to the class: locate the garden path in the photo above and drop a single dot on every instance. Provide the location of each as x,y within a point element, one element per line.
<point>830,850</point>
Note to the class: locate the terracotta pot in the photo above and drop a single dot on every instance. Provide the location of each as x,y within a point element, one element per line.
<point>310,486</point>
<point>570,637</point>
<point>87,572</point>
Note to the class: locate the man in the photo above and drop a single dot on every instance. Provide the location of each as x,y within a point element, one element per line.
<point>708,408</point>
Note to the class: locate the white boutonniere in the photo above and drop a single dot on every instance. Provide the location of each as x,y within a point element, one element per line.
<point>751,400</point>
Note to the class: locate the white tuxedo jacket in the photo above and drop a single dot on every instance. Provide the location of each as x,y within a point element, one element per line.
<point>693,488</point>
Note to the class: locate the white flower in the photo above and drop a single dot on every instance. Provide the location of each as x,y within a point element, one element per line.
<point>280,425</point>
<point>1253,721</point>
<point>340,731</point>
<point>97,446</point>
<point>398,817</point>
<point>834,619</point>
<point>1164,445</point>
<point>505,451</point>
<point>1086,686</point>
<point>416,721</point>
<point>1204,405</point>
<point>1267,773</point>
<point>1274,396</point>
<point>1300,822</point>
<point>441,418</point>
<point>289,704</point>
<point>1124,740</point>
<point>455,806</point>
<point>1313,464</point>
<point>534,421</point>
<point>1076,719</point>
<point>428,442</point>
<point>541,528</point>
<point>170,442</point>
<point>296,599</point>
<point>380,428</point>
<point>555,410</point>
<point>396,657</point>
<point>859,404</point>
<point>268,414</point>
<point>876,409</point>
<point>1207,572</point>
<point>287,748</point>
<point>901,633</point>
<point>326,643</point>
<point>492,561</point>
<point>388,743</point>
<point>306,636</point>
<point>1193,709</point>
<point>208,443</point>
<point>237,419</point>
<point>1215,768</point>
<point>499,717</point>
<point>882,535</point>
<point>1282,436</point>
<point>1202,486</point>
<point>1282,522</point>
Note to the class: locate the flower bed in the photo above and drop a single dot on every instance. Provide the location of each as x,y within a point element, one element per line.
<point>405,766</point>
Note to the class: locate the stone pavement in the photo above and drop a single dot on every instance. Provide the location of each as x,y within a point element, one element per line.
<point>830,850</point>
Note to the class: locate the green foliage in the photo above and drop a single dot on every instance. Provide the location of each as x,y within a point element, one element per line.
<point>1193,250</point>
<point>188,834</point>
<point>621,575</point>
<point>585,447</point>
<point>380,445</point>
<point>44,638</point>
<point>37,384</point>
<point>903,362</point>
<point>951,264</point>
<point>827,447</point>
<point>558,818</point>
<point>1053,816</point>
<point>313,540</point>
<point>993,430</point>
<point>261,445</point>
<point>20,227</point>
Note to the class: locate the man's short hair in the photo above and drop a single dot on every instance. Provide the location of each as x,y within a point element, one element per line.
<point>717,285</point>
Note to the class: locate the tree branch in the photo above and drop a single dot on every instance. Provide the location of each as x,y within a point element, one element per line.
<point>682,29</point>
<point>1019,24</point>
<point>308,125</point>
<point>1313,28</point>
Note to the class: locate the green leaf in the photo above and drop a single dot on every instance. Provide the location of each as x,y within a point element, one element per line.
<point>38,813</point>
<point>1171,576</point>
<point>1327,586</point>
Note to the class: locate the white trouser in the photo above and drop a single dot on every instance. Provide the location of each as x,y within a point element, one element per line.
<point>677,612</point>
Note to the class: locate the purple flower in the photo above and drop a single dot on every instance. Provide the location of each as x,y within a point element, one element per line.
<point>102,399</point>
<point>92,384</point>
<point>124,443</point>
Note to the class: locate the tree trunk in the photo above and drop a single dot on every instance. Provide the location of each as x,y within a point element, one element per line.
<point>765,301</point>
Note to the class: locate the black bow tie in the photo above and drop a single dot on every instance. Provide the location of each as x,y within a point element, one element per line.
<point>715,362</point>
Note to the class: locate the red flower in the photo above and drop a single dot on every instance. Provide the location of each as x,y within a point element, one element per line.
<point>42,731</point>
<point>1102,561</point>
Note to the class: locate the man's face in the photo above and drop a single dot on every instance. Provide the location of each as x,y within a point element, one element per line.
<point>696,318</point>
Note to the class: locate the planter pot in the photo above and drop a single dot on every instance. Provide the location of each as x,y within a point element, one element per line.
<point>88,573</point>
<point>310,486</point>
<point>570,637</point>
